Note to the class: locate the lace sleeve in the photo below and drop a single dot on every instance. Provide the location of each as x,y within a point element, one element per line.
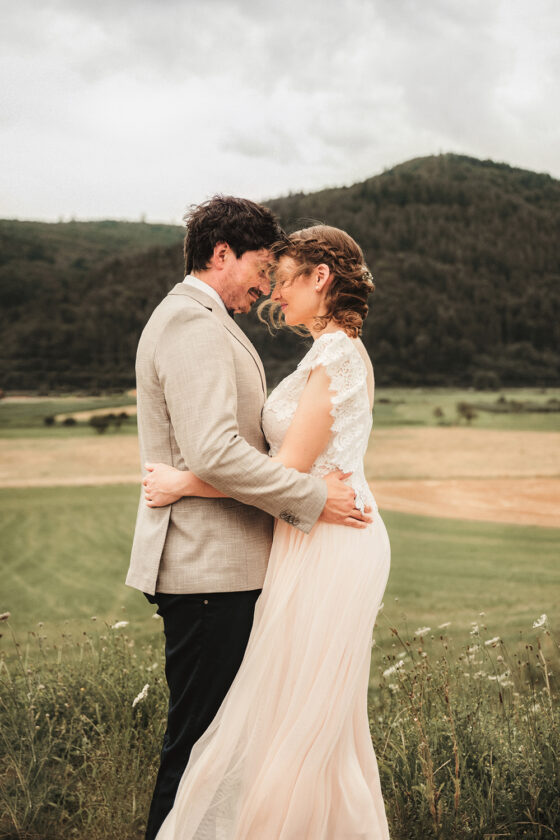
<point>343,364</point>
<point>350,410</point>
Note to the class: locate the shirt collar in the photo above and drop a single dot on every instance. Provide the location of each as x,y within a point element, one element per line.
<point>196,283</point>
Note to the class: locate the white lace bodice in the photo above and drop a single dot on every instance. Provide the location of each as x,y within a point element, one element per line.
<point>350,409</point>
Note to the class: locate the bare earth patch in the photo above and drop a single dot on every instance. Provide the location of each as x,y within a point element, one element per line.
<point>450,472</point>
<point>521,501</point>
<point>130,410</point>
<point>38,462</point>
<point>412,452</point>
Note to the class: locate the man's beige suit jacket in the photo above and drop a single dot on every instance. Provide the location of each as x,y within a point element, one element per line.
<point>201,389</point>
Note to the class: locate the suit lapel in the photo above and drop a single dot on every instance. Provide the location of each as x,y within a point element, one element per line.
<point>227,321</point>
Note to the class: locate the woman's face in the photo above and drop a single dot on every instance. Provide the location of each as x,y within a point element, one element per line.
<point>296,293</point>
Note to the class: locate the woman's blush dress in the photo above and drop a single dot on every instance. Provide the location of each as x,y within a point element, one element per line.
<point>289,754</point>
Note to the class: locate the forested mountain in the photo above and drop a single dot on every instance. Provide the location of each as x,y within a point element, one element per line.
<point>465,254</point>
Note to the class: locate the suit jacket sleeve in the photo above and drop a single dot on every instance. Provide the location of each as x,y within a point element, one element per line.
<point>196,370</point>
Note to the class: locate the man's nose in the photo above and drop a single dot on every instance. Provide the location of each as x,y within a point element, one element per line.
<point>264,285</point>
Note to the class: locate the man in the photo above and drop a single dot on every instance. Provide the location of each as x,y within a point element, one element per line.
<point>201,388</point>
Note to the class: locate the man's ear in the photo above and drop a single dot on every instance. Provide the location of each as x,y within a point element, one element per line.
<point>219,255</point>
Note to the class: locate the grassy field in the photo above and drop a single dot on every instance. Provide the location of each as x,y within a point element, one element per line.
<point>463,704</point>
<point>25,418</point>
<point>464,717</point>
<point>394,407</point>
<point>66,554</point>
<point>415,407</point>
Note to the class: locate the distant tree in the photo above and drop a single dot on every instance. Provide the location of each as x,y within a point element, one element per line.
<point>69,421</point>
<point>439,413</point>
<point>486,380</point>
<point>49,421</point>
<point>466,411</point>
<point>120,418</point>
<point>99,423</point>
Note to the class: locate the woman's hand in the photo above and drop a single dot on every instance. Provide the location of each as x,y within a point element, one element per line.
<point>164,485</point>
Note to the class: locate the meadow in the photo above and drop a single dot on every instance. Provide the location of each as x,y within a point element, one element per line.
<point>24,416</point>
<point>66,553</point>
<point>463,698</point>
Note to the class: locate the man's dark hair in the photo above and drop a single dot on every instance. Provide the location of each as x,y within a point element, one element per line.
<point>243,224</point>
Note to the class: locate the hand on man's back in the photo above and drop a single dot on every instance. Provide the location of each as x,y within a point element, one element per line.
<point>340,507</point>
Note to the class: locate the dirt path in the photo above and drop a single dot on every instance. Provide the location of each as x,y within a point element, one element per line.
<point>425,453</point>
<point>130,410</point>
<point>459,473</point>
<point>521,501</point>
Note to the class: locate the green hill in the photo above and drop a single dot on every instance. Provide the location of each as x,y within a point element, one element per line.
<point>465,254</point>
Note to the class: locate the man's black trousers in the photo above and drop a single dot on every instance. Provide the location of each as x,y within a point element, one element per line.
<point>205,639</point>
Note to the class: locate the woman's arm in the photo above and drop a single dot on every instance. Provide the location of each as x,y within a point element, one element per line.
<point>165,485</point>
<point>307,436</point>
<point>309,432</point>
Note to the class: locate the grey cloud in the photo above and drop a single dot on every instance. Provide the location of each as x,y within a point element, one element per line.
<point>249,96</point>
<point>267,143</point>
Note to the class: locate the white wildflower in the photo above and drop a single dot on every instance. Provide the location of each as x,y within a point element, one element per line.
<point>152,667</point>
<point>118,624</point>
<point>502,679</point>
<point>422,630</point>
<point>393,687</point>
<point>535,707</point>
<point>493,641</point>
<point>540,622</point>
<point>474,631</point>
<point>5,616</point>
<point>393,669</point>
<point>444,625</point>
<point>402,654</point>
<point>473,649</point>
<point>142,696</point>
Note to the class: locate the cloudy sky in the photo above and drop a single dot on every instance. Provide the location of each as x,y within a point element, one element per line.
<point>119,108</point>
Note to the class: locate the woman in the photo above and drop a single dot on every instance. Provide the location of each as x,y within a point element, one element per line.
<point>289,754</point>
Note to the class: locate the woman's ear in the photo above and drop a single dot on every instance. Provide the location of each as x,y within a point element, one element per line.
<point>323,277</point>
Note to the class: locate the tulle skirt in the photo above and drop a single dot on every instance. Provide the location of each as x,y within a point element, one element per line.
<point>289,754</point>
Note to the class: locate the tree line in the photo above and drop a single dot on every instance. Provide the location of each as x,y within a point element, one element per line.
<point>465,255</point>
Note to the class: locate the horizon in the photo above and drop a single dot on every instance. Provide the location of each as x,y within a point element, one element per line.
<point>180,224</point>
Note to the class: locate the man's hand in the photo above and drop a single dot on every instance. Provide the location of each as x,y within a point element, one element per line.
<point>163,485</point>
<point>340,507</point>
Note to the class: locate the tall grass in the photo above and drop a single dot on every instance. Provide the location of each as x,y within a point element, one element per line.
<point>467,739</point>
<point>80,760</point>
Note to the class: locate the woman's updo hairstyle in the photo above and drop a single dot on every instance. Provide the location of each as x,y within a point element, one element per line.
<point>351,283</point>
